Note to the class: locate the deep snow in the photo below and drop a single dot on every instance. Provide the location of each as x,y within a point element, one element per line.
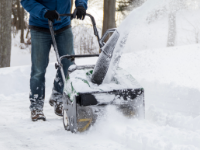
<point>172,108</point>
<point>170,77</point>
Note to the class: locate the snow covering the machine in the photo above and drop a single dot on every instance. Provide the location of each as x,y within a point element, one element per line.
<point>79,81</point>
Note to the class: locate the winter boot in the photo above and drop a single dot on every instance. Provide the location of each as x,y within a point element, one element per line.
<point>37,115</point>
<point>58,107</point>
<point>56,101</point>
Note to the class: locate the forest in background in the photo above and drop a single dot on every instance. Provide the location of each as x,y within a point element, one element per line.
<point>14,20</point>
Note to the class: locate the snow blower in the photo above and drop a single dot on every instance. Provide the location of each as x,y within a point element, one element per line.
<point>84,95</point>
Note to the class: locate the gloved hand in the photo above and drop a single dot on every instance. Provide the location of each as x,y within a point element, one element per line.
<point>81,12</point>
<point>51,15</point>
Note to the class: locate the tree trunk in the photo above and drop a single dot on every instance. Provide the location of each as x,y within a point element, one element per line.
<point>28,31</point>
<point>5,32</point>
<point>172,29</point>
<point>109,15</point>
<point>14,23</point>
<point>22,25</point>
<point>18,15</point>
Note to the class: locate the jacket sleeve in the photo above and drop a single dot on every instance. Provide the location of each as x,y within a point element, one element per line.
<point>81,3</point>
<point>34,8</point>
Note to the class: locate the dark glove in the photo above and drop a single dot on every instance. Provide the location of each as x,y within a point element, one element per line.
<point>51,15</point>
<point>81,12</point>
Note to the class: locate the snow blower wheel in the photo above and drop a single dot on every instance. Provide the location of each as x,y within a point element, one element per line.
<point>65,120</point>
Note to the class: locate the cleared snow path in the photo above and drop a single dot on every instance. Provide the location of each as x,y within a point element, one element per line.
<point>172,94</point>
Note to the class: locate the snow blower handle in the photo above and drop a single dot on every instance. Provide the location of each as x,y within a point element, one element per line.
<point>73,16</point>
<point>59,64</point>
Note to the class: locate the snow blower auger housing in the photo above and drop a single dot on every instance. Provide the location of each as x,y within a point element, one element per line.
<point>85,98</point>
<point>84,101</point>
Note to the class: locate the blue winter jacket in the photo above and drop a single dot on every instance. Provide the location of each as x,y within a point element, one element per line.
<point>38,8</point>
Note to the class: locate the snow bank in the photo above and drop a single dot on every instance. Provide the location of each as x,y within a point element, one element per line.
<point>178,65</point>
<point>148,25</point>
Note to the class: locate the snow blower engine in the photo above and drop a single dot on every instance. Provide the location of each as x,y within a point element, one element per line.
<point>85,94</point>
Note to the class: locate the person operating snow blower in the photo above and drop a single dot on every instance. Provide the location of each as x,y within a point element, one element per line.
<point>40,12</point>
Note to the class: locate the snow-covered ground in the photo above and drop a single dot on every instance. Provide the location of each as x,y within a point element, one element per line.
<point>172,96</point>
<point>170,77</point>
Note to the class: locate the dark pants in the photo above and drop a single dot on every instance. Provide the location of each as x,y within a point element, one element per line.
<point>41,43</point>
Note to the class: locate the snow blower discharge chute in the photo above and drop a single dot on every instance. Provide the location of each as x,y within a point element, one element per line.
<point>85,96</point>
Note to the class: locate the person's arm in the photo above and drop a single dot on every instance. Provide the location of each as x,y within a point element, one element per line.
<point>81,3</point>
<point>34,8</point>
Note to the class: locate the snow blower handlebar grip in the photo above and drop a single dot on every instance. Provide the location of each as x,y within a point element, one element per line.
<point>92,20</point>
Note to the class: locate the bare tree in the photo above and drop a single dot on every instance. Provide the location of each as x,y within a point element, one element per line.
<point>22,25</point>
<point>20,14</point>
<point>109,15</point>
<point>5,32</point>
<point>18,22</point>
<point>128,5</point>
<point>172,29</point>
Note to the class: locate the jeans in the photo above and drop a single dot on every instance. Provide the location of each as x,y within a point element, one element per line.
<point>41,43</point>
